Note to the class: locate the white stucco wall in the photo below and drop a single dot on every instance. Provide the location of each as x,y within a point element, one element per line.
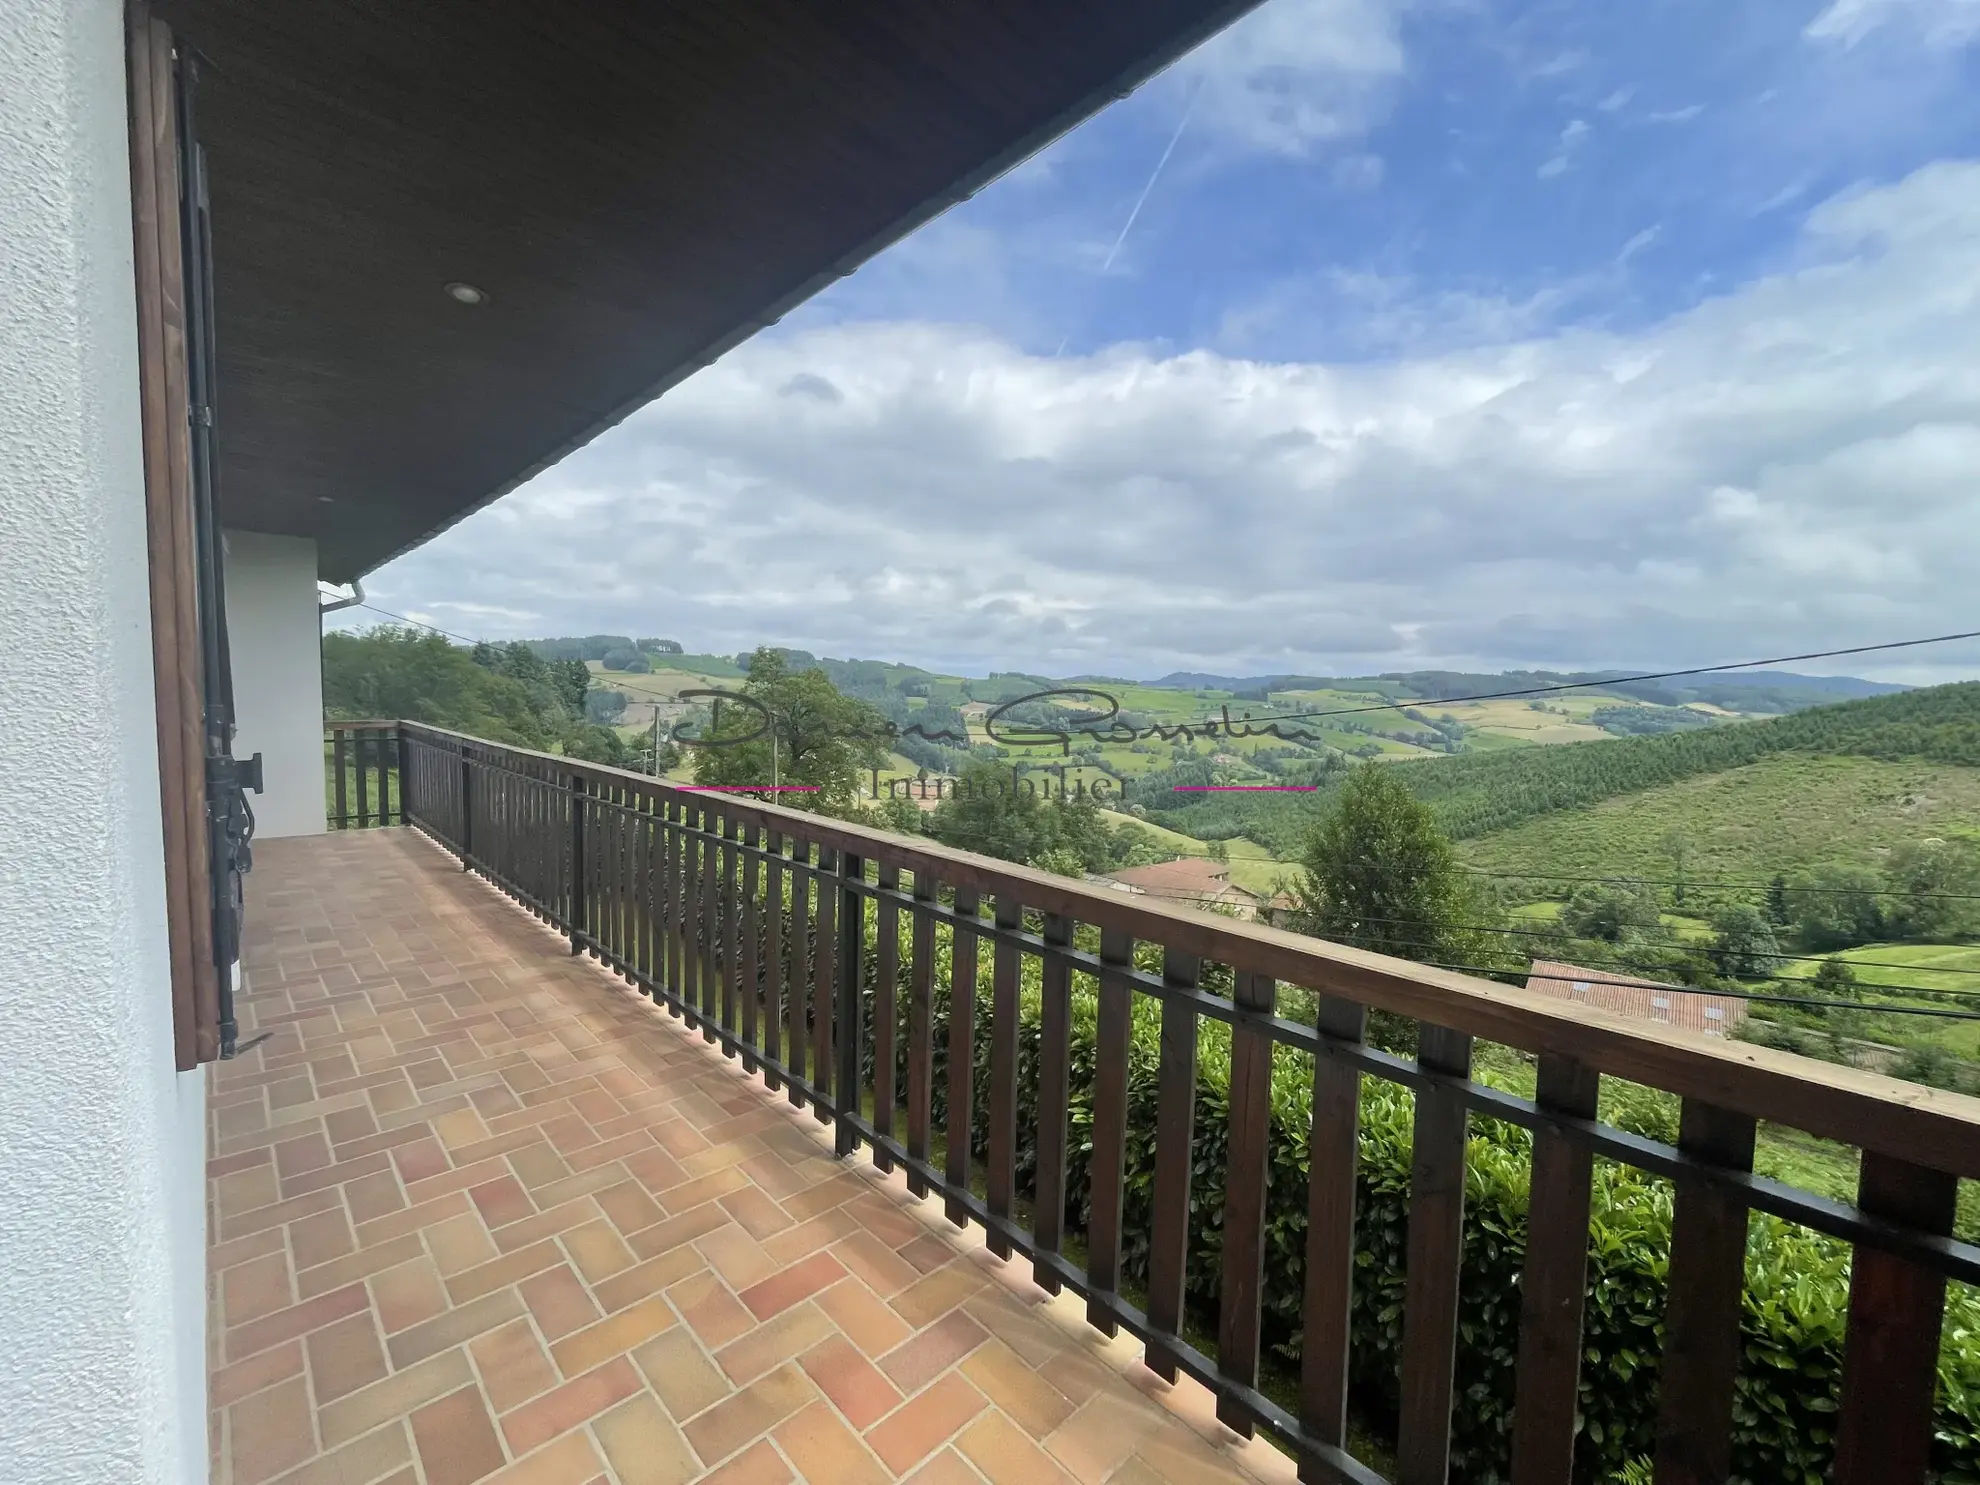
<point>275,635</point>
<point>102,1312</point>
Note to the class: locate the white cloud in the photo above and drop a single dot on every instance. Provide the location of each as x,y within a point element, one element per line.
<point>1297,74</point>
<point>1791,465</point>
<point>1939,22</point>
<point>1571,137</point>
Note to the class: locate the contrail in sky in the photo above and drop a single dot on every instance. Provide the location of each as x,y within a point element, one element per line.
<point>1142,200</point>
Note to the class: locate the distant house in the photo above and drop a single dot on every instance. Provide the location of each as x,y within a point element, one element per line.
<point>1637,998</point>
<point>1192,879</point>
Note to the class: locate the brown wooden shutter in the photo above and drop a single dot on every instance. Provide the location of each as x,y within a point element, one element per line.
<point>161,315</point>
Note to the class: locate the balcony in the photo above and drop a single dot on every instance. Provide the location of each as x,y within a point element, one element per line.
<point>588,1162</point>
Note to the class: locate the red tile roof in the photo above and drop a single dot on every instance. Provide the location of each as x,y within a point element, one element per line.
<point>1635,997</point>
<point>1192,876</point>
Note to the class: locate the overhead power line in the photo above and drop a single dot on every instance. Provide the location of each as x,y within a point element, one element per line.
<point>1550,876</point>
<point>1939,969</point>
<point>417,623</point>
<point>1622,680</point>
<point>1748,995</point>
<point>1619,974</point>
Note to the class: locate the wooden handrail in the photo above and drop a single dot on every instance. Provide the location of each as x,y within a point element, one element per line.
<point>1849,1105</point>
<point>661,884</point>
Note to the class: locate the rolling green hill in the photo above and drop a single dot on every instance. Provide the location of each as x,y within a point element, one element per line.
<point>1782,814</point>
<point>1479,794</point>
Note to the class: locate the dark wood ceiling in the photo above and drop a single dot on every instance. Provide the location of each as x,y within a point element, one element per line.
<point>636,186</point>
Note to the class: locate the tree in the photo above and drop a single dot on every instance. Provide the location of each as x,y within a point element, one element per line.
<point>660,646</point>
<point>1377,873</point>
<point>814,735</point>
<point>421,676</point>
<point>899,814</point>
<point>1836,907</point>
<point>1220,851</point>
<point>1777,902</point>
<point>600,745</point>
<point>604,707</point>
<point>1834,980</point>
<point>1061,860</point>
<point>1743,943</point>
<point>572,677</point>
<point>487,656</point>
<point>1677,850</point>
<point>1612,911</point>
<point>619,659</point>
<point>991,815</point>
<point>1929,882</point>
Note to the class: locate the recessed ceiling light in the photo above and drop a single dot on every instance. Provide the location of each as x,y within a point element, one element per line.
<point>327,499</point>
<point>466,294</point>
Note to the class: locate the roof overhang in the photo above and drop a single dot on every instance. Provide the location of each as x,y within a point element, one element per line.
<point>637,187</point>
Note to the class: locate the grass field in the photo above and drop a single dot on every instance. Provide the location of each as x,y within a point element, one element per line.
<point>1746,824</point>
<point>1946,967</point>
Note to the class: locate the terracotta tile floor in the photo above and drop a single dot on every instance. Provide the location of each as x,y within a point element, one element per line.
<point>481,1212</point>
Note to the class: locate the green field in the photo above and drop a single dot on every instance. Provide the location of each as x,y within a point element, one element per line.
<point>1898,967</point>
<point>1778,815</point>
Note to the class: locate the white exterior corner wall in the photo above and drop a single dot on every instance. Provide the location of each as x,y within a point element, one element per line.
<point>275,637</point>
<point>102,1191</point>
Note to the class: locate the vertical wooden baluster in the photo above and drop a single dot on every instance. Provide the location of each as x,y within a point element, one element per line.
<point>689,899</point>
<point>797,979</point>
<point>606,818</point>
<point>635,885</point>
<point>709,866</point>
<point>1054,1099</point>
<point>467,809</point>
<point>731,935</point>
<point>1246,1175</point>
<point>1327,1303</point>
<point>1548,1383</point>
<point>1110,1072</point>
<point>752,928</point>
<point>959,1126</point>
<point>1175,1130</point>
<point>649,891</point>
<point>679,941</point>
<point>921,1026</point>
<point>848,1032</point>
<point>670,901</point>
<point>886,975</point>
<point>605,822</point>
<point>579,908</point>
<point>622,797</point>
<point>690,857</point>
<point>1436,1249</point>
<point>773,957</point>
<point>337,764</point>
<point>1000,1172</point>
<point>824,954</point>
<point>1896,1319</point>
<point>1702,1305</point>
<point>363,791</point>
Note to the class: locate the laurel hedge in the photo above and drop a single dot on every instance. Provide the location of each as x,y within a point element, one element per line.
<point>1796,1299</point>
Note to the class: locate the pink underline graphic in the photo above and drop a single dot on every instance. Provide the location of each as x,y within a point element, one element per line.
<point>750,788</point>
<point>1243,788</point>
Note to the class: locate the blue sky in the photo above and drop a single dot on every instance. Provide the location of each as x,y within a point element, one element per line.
<point>1449,332</point>
<point>1560,162</point>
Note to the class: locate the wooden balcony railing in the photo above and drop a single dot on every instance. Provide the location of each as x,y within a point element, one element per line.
<point>813,951</point>
<point>363,766</point>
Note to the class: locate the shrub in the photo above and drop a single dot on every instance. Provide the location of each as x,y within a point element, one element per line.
<point>1796,1297</point>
